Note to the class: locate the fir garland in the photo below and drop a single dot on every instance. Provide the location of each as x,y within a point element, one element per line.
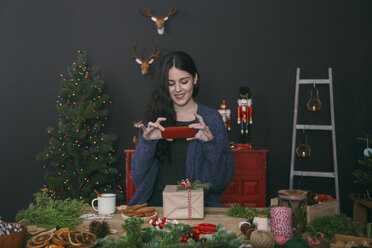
<point>170,237</point>
<point>45,210</point>
<point>237,211</point>
<point>330,225</point>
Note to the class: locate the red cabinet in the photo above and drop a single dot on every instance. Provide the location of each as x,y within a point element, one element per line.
<point>131,189</point>
<point>248,187</point>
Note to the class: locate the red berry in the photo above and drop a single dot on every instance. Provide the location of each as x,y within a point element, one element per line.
<point>197,231</point>
<point>196,237</point>
<point>164,220</point>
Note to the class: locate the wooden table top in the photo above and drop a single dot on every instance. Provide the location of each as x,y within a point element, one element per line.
<point>211,215</point>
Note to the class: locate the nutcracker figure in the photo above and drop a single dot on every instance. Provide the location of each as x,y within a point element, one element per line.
<point>225,113</point>
<point>244,113</point>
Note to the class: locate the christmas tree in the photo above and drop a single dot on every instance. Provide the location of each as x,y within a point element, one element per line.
<point>363,174</point>
<point>80,157</point>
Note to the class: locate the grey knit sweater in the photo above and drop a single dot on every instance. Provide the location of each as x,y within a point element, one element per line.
<point>210,161</point>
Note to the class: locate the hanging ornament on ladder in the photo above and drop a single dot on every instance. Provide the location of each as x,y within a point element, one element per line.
<point>314,103</point>
<point>303,150</point>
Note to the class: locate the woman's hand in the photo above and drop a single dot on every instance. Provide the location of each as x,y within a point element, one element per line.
<point>153,129</point>
<point>204,132</point>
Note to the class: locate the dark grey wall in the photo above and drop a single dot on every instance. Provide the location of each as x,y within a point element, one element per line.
<point>251,43</point>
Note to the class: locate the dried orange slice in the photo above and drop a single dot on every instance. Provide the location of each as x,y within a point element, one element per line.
<point>65,229</point>
<point>72,238</point>
<point>42,238</point>
<point>86,239</point>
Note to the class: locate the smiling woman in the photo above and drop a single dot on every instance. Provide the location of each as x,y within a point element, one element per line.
<point>206,157</point>
<point>181,86</point>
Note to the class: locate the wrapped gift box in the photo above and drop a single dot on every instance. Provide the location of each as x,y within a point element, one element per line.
<point>340,241</point>
<point>176,204</point>
<point>322,209</point>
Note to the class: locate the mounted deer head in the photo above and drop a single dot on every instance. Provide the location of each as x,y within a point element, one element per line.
<point>159,20</point>
<point>145,63</point>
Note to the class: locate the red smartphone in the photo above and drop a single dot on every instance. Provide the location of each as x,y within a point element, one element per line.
<point>178,133</point>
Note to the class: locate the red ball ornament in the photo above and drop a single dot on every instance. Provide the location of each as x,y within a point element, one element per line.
<point>185,239</point>
<point>197,231</point>
<point>196,237</point>
<point>161,226</point>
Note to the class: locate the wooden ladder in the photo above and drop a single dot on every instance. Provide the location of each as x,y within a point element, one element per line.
<point>333,174</point>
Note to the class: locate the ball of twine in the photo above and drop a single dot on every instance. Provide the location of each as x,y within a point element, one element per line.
<point>262,239</point>
<point>247,229</point>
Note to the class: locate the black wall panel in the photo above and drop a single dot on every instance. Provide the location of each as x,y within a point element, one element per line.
<point>236,43</point>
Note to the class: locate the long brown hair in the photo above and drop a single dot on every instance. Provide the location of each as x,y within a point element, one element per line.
<point>160,104</point>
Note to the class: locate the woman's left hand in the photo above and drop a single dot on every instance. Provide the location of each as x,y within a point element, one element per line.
<point>204,132</point>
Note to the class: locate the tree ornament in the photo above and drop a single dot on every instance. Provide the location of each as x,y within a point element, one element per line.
<point>368,151</point>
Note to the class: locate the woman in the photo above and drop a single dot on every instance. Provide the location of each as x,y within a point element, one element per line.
<point>205,157</point>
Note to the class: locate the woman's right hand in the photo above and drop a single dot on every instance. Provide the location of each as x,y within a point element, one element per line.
<point>153,129</point>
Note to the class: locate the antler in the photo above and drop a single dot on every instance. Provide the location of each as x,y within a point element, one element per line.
<point>171,11</point>
<point>145,63</point>
<point>147,13</point>
<point>154,53</point>
<point>133,55</point>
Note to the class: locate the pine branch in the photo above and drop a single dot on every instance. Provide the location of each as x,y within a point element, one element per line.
<point>235,210</point>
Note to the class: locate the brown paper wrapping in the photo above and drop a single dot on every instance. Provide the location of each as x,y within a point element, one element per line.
<point>175,203</point>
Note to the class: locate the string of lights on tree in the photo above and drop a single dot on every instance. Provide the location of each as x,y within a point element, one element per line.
<point>80,157</point>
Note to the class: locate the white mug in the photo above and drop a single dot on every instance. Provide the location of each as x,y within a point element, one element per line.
<point>106,203</point>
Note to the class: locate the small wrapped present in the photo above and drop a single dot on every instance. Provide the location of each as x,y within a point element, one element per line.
<point>183,204</point>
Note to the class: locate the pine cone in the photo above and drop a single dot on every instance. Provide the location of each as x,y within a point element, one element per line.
<point>100,229</point>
